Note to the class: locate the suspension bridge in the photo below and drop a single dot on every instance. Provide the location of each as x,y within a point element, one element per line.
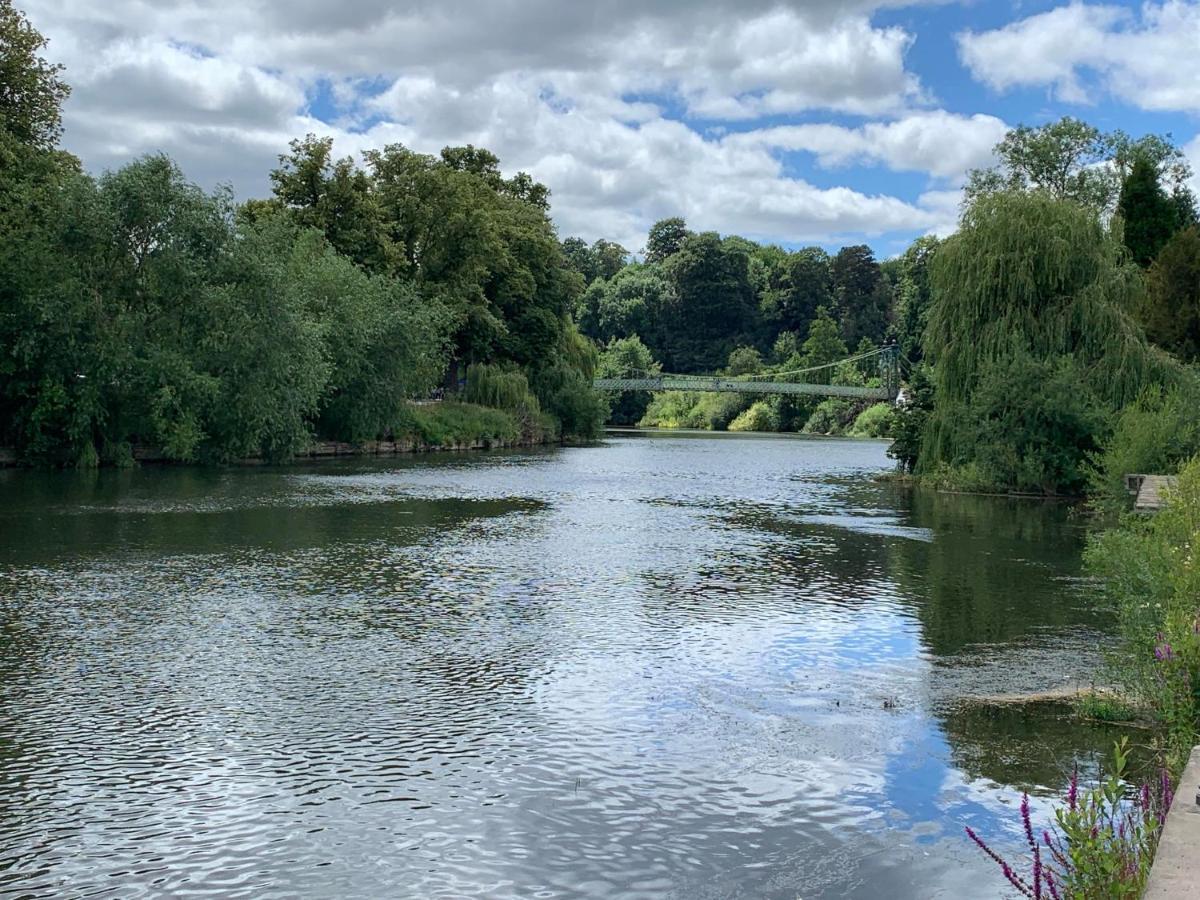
<point>813,380</point>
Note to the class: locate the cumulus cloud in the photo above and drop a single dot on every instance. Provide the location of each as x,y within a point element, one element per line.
<point>937,142</point>
<point>1146,60</point>
<point>607,103</point>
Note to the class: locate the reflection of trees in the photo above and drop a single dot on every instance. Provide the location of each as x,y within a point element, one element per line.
<point>1034,745</point>
<point>996,570</point>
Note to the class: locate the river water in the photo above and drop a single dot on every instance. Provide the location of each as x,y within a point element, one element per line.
<point>666,666</point>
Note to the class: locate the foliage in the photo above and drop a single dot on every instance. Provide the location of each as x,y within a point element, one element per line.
<point>1149,217</point>
<point>910,418</point>
<point>874,422</point>
<point>627,358</point>
<point>687,409</point>
<point>833,415</point>
<point>759,417</point>
<point>602,260</point>
<point>629,303</point>
<point>666,238</point>
<point>1102,842</point>
<point>914,296</point>
<point>744,361</point>
<point>1035,424</point>
<point>1153,435</point>
<point>861,295</point>
<point>31,93</point>
<point>1032,288</point>
<point>1149,574</point>
<point>712,306</point>
<point>1170,310</point>
<point>456,424</point>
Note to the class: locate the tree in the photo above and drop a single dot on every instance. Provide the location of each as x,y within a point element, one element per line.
<point>335,197</point>
<point>609,258</point>
<point>914,296</point>
<point>744,361</point>
<point>627,358</point>
<point>1171,308</point>
<point>1072,160</point>
<point>1148,214</point>
<point>824,343</point>
<point>712,305</point>
<point>1033,277</point>
<point>666,239</point>
<point>1062,158</point>
<point>861,296</point>
<point>804,285</point>
<point>31,93</point>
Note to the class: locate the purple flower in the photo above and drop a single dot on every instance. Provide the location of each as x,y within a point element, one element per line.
<point>1027,823</point>
<point>1073,789</point>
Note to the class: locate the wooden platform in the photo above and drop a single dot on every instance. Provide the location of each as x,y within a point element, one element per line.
<point>1150,492</point>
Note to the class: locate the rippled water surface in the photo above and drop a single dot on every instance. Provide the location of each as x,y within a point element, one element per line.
<point>666,666</point>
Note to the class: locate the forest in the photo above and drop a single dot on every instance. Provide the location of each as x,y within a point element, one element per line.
<point>137,309</point>
<point>1048,345</point>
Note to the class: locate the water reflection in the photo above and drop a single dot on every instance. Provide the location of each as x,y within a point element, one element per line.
<point>673,666</point>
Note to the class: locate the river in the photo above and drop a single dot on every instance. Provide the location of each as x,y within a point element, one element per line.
<point>665,666</point>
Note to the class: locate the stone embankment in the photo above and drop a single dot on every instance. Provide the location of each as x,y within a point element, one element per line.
<point>1175,874</point>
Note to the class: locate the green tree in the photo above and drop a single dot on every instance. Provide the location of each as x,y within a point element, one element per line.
<point>666,239</point>
<point>627,358</point>
<point>861,295</point>
<point>335,197</point>
<point>824,343</point>
<point>914,296</point>
<point>1063,159</point>
<point>1031,288</point>
<point>712,305</point>
<point>1170,309</point>
<point>1148,215</point>
<point>744,361</point>
<point>31,92</point>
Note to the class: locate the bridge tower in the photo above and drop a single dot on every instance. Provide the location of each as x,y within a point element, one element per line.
<point>889,369</point>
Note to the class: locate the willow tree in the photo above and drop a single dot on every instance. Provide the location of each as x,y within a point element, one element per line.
<point>1030,277</point>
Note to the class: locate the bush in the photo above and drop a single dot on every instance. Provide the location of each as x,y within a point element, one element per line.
<point>1149,572</point>
<point>1031,425</point>
<point>1152,435</point>
<point>832,416</point>
<point>449,424</point>
<point>874,422</point>
<point>759,417</point>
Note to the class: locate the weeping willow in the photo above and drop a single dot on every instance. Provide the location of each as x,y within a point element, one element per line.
<point>500,388</point>
<point>1030,276</point>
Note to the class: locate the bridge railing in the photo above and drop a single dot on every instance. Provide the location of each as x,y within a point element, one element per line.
<point>814,380</point>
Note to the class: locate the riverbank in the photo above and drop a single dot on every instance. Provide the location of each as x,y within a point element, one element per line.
<point>427,428</point>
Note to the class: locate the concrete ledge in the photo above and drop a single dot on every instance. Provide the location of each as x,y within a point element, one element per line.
<point>1175,874</point>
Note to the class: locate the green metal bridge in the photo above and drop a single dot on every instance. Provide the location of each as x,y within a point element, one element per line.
<point>815,380</point>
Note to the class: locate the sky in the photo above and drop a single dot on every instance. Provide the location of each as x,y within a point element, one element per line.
<point>796,122</point>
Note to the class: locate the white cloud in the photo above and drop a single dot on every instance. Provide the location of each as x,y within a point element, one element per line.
<point>575,94</point>
<point>937,142</point>
<point>1146,61</point>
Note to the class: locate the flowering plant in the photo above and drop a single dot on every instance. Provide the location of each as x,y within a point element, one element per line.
<point>1102,843</point>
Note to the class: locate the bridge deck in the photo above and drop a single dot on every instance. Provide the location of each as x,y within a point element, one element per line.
<point>733,385</point>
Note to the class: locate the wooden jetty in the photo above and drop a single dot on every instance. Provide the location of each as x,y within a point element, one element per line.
<point>1150,492</point>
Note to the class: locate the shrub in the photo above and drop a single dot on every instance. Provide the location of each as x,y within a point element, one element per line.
<point>1152,435</point>
<point>1149,573</point>
<point>758,417</point>
<point>874,421</point>
<point>1101,845</point>
<point>832,416</point>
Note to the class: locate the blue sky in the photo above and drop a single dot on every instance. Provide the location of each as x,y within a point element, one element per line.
<point>793,121</point>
